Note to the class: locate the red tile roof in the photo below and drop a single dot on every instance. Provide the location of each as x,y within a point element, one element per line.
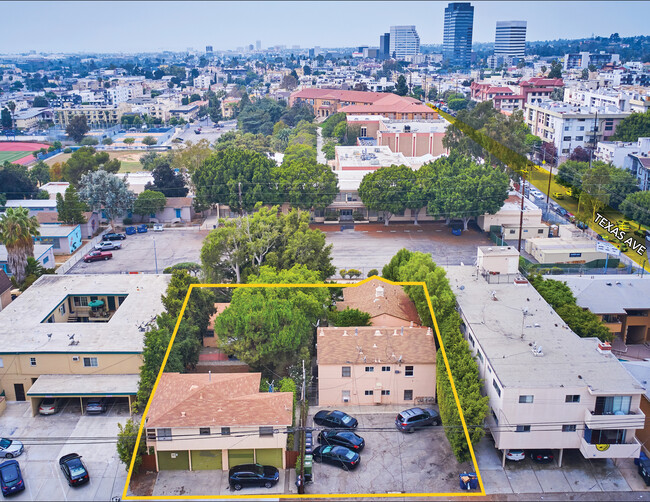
<point>338,94</point>
<point>369,298</point>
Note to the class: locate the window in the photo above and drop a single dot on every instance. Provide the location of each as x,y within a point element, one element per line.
<point>581,128</point>
<point>579,138</point>
<point>566,138</point>
<point>572,398</point>
<point>540,230</point>
<point>496,386</point>
<point>408,395</point>
<point>151,434</point>
<point>471,340</point>
<point>225,431</point>
<point>525,399</point>
<point>523,428</point>
<point>370,369</point>
<point>512,231</point>
<point>164,434</point>
<point>565,150</point>
<point>567,128</point>
<point>363,131</point>
<point>369,392</point>
<point>385,393</point>
<point>2,364</point>
<point>345,371</point>
<point>266,431</point>
<point>408,371</point>
<point>32,361</point>
<point>608,128</point>
<point>480,356</point>
<point>613,405</point>
<point>494,415</point>
<point>568,428</point>
<point>385,368</point>
<point>62,309</point>
<point>90,362</point>
<point>204,431</point>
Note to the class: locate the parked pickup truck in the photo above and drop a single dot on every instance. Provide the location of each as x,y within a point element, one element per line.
<point>98,255</point>
<point>108,245</point>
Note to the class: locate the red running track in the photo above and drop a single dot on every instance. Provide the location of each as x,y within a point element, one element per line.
<point>21,146</point>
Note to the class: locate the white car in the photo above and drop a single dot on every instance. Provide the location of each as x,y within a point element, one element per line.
<point>158,227</point>
<point>515,455</point>
<point>49,406</point>
<point>9,448</point>
<point>108,246</point>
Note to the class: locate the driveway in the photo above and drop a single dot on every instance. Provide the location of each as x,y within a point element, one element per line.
<point>172,246</point>
<point>173,483</point>
<point>392,461</point>
<point>47,438</point>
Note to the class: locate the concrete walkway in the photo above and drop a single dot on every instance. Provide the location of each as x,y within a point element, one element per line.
<point>320,156</point>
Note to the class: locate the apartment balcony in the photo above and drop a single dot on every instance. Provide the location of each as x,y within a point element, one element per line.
<point>633,420</point>
<point>625,450</point>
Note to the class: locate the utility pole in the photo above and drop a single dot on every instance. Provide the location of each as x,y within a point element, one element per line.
<point>591,150</point>
<point>303,422</point>
<point>155,256</point>
<point>521,214</point>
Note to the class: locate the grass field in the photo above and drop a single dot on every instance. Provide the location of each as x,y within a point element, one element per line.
<point>129,159</point>
<point>12,156</point>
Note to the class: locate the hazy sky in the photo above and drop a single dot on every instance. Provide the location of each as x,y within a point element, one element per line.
<point>54,26</point>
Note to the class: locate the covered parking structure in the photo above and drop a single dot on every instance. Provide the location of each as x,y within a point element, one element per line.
<point>83,387</point>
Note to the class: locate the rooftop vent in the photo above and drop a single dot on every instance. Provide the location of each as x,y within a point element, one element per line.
<point>604,347</point>
<point>377,333</point>
<point>345,332</point>
<point>379,292</point>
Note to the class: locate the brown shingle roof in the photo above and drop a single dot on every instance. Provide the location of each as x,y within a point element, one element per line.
<point>377,345</point>
<point>5,282</point>
<point>226,399</point>
<point>45,217</point>
<point>178,202</point>
<point>394,302</point>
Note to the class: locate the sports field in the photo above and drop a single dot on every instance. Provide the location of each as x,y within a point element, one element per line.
<point>18,152</point>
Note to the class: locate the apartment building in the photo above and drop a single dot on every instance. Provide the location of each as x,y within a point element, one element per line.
<point>582,60</point>
<point>77,336</point>
<point>616,152</point>
<point>547,387</point>
<point>95,114</point>
<point>43,254</point>
<point>639,165</point>
<point>622,302</point>
<point>403,41</point>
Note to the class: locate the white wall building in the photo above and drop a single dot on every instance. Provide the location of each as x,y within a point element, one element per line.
<point>404,41</point>
<point>615,151</point>
<point>510,39</point>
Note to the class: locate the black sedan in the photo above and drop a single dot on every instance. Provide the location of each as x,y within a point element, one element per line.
<point>339,456</point>
<point>348,439</point>
<point>335,420</point>
<point>73,469</point>
<point>245,475</point>
<point>114,236</point>
<point>542,456</point>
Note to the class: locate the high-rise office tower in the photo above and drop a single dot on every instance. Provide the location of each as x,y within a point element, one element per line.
<point>457,41</point>
<point>510,39</point>
<point>404,41</point>
<point>208,49</point>
<point>384,46</point>
<point>258,45</point>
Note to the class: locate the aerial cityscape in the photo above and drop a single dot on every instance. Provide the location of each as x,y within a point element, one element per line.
<point>401,254</point>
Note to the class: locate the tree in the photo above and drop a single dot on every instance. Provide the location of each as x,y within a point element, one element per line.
<point>557,94</point>
<point>594,195</point>
<point>195,97</point>
<point>126,439</point>
<point>244,141</point>
<point>633,127</point>
<point>149,202</point>
<point>77,127</point>
<point>636,206</point>
<point>87,159</point>
<point>12,108</point>
<point>271,329</point>
<point>259,116</point>
<point>585,74</point>
<point>306,184</point>
<point>89,141</point>
<point>56,172</point>
<point>70,208</point>
<point>432,95</point>
<point>225,251</point>
<point>40,173</point>
<point>580,154</point>
<point>332,121</point>
<point>457,103</point>
<point>237,178</point>
<point>349,317</point>
<point>149,141</point>
<point>5,119</point>
<point>17,229</point>
<point>401,89</point>
<point>190,156</point>
<point>106,192</point>
<point>40,102</point>
<point>128,141</point>
<point>556,70</point>
<point>107,141</point>
<point>621,184</point>
<point>387,189</point>
<point>165,180</point>
<point>16,183</point>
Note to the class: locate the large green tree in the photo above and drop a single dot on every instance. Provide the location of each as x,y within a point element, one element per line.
<point>387,189</point>
<point>306,184</point>
<point>40,173</point>
<point>17,230</point>
<point>86,159</point>
<point>166,180</point>
<point>401,89</point>
<point>16,183</point>
<point>106,192</point>
<point>259,116</point>
<point>126,439</point>
<point>77,127</point>
<point>636,206</point>
<point>594,194</point>
<point>69,207</point>
<point>631,128</point>
<point>149,202</point>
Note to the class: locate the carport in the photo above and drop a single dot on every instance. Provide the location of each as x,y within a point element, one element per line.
<point>82,386</point>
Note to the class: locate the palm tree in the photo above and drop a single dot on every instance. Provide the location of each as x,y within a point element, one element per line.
<point>16,231</point>
<point>12,108</point>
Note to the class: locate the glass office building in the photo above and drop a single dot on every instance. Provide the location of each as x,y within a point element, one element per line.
<point>457,40</point>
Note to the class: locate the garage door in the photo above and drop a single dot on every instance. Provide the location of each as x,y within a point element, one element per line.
<point>206,460</point>
<point>269,456</point>
<point>173,461</point>
<point>237,457</point>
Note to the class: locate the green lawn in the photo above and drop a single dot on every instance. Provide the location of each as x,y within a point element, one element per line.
<point>130,167</point>
<point>12,156</point>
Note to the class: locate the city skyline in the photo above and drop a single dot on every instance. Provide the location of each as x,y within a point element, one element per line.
<point>104,27</point>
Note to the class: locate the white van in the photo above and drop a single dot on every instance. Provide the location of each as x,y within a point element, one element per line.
<point>157,227</point>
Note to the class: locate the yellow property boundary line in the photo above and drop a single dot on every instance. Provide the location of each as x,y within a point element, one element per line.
<point>306,496</point>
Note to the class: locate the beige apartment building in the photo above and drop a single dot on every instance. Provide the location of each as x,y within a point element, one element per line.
<point>95,114</point>
<point>547,387</point>
<point>203,421</point>
<point>77,336</point>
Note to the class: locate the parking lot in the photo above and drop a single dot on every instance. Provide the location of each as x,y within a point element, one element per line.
<point>208,131</point>
<point>172,246</point>
<point>47,438</point>
<point>392,461</point>
<point>351,247</point>
<point>204,483</point>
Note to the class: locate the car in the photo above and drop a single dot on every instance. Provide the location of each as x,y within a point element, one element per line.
<point>569,191</point>
<point>11,478</point>
<point>644,470</point>
<point>245,475</point>
<point>108,245</point>
<point>113,236</point>
<point>158,227</point>
<point>10,448</point>
<point>97,255</point>
<point>515,455</point>
<point>558,195</point>
<point>142,229</point>
<point>416,418</point>
<point>539,195</point>
<point>335,420</point>
<point>49,406</point>
<point>340,456</point>
<point>96,405</point>
<point>542,456</point>
<point>570,216</point>
<point>197,130</point>
<point>73,469</point>
<point>581,225</point>
<point>623,225</point>
<point>561,211</point>
<point>130,230</point>
<point>348,439</point>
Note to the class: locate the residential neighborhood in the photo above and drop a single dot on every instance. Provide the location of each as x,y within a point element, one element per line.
<point>244,257</point>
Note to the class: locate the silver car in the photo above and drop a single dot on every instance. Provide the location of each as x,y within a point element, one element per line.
<point>108,246</point>
<point>10,448</point>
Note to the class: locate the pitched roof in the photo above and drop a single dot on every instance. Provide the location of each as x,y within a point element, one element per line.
<point>338,94</point>
<point>222,399</point>
<point>45,217</point>
<point>5,282</point>
<point>368,297</point>
<point>369,345</point>
<point>178,202</point>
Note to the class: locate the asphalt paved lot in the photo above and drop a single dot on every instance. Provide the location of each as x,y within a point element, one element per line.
<point>47,438</point>
<point>208,131</point>
<point>137,254</point>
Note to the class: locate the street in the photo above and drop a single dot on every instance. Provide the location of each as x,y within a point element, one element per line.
<point>208,131</point>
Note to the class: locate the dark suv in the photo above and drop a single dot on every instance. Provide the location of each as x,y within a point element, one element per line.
<point>245,475</point>
<point>416,418</point>
<point>114,237</point>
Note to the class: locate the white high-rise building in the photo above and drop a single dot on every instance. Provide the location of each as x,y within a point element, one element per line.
<point>510,39</point>
<point>404,41</point>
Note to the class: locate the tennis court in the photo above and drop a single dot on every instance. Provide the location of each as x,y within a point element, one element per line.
<point>18,152</point>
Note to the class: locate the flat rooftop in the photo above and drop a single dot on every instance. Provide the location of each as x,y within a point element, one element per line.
<point>371,157</point>
<point>56,230</point>
<point>84,385</point>
<point>22,329</point>
<point>495,314</point>
<point>39,250</point>
<point>433,126</point>
<point>607,294</point>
